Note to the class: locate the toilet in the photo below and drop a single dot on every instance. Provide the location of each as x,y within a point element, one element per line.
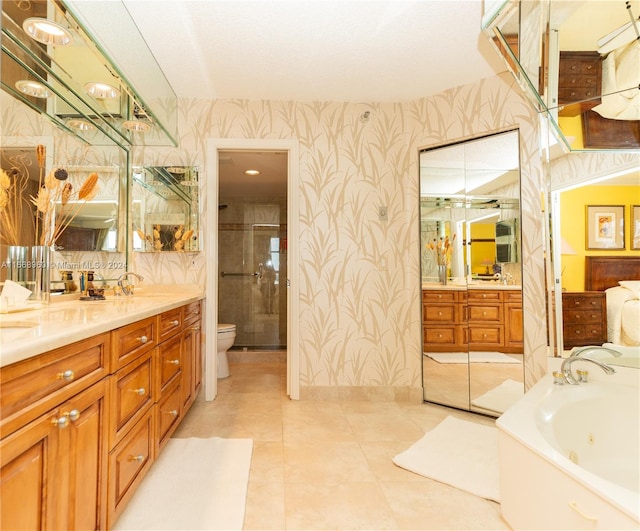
<point>226,337</point>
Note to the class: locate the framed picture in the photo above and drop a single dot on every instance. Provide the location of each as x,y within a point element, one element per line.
<point>635,227</point>
<point>605,227</point>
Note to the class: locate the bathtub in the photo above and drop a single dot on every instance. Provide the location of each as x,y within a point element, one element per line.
<point>569,455</point>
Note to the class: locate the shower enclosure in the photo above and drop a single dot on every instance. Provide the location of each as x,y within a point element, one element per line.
<point>252,246</point>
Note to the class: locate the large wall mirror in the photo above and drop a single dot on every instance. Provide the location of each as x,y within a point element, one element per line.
<point>578,60</point>
<point>164,208</point>
<point>471,273</point>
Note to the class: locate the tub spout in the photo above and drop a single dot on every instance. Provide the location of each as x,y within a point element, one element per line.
<point>566,368</point>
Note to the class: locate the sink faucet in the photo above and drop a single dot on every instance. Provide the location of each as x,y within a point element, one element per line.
<point>127,289</point>
<point>566,366</point>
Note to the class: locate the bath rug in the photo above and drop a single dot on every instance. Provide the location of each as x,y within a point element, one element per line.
<point>473,357</point>
<point>194,484</point>
<point>500,398</point>
<point>459,453</point>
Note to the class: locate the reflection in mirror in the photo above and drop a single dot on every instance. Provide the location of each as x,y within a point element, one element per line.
<point>589,51</point>
<point>597,275</point>
<point>164,203</point>
<point>471,274</point>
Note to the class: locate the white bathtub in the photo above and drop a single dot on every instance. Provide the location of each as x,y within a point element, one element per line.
<point>569,456</point>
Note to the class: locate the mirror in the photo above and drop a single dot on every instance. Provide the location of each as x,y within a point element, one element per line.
<point>471,274</point>
<point>164,208</point>
<point>578,63</point>
<point>66,77</point>
<point>95,225</point>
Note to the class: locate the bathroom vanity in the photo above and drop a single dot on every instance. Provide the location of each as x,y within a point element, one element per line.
<point>475,317</point>
<point>91,392</point>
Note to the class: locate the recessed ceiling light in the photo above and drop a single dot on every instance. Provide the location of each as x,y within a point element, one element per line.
<point>47,32</point>
<point>80,125</point>
<point>252,173</point>
<point>101,90</point>
<point>33,88</point>
<point>136,126</point>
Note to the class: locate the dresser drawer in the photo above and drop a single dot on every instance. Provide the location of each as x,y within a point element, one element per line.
<point>169,323</point>
<point>131,396</point>
<point>582,303</point>
<point>587,332</point>
<point>478,296</point>
<point>192,312</point>
<point>131,341</point>
<point>439,313</point>
<point>168,413</point>
<point>582,316</point>
<point>128,464</point>
<point>486,336</point>
<point>438,296</point>
<point>170,361</point>
<point>438,336</point>
<point>33,386</point>
<point>485,313</point>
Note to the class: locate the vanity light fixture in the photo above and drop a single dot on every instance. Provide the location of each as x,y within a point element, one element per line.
<point>47,32</point>
<point>101,91</point>
<point>33,88</point>
<point>80,125</point>
<point>251,173</point>
<point>137,126</point>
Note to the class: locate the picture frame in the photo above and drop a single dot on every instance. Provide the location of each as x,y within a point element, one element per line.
<point>605,227</point>
<point>635,227</point>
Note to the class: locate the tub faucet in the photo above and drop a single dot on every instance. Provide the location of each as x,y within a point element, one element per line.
<point>566,367</point>
<point>125,287</point>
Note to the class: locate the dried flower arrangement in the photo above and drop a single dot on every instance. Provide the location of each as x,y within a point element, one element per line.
<point>442,249</point>
<point>178,238</point>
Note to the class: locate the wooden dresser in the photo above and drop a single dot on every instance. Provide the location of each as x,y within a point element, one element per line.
<point>584,318</point>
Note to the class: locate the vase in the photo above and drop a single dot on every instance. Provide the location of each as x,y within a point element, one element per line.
<point>17,263</point>
<point>442,274</point>
<point>39,274</point>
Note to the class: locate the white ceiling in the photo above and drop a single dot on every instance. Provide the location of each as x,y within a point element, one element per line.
<point>316,50</point>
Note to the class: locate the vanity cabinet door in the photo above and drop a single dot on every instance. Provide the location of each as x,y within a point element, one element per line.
<point>192,363</point>
<point>513,319</point>
<point>168,414</point>
<point>170,356</point>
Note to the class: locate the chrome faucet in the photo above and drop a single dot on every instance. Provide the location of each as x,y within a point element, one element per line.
<point>565,368</point>
<point>125,287</point>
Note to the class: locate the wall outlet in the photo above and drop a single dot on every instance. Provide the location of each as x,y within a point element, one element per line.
<point>383,213</point>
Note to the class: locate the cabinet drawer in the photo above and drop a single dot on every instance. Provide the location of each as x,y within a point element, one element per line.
<point>33,386</point>
<point>128,464</point>
<point>582,332</point>
<point>170,360</point>
<point>439,295</point>
<point>485,335</point>
<point>578,316</point>
<point>484,296</point>
<point>440,335</point>
<point>169,323</point>
<point>513,296</point>
<point>168,413</point>
<point>131,341</point>
<point>582,303</point>
<point>131,395</point>
<point>439,313</point>
<point>485,313</point>
<point>192,312</point>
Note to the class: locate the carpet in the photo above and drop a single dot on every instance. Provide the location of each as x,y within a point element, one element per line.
<point>500,398</point>
<point>473,357</point>
<point>459,453</point>
<point>194,484</point>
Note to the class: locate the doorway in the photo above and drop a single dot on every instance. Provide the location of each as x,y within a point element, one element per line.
<point>272,289</point>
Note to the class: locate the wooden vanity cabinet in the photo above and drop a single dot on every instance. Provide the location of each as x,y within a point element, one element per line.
<point>53,452</point>
<point>443,314</point>
<point>192,359</point>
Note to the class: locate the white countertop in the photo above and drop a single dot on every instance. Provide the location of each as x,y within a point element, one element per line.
<point>481,284</point>
<point>28,333</point>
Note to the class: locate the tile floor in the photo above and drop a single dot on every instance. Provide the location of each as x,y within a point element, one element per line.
<point>327,464</point>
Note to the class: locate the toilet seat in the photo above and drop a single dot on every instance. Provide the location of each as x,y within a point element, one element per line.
<point>226,327</point>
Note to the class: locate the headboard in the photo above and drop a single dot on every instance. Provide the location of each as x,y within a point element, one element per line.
<point>603,272</point>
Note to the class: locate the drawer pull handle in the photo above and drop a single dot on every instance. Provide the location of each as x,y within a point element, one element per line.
<point>143,339</point>
<point>484,313</point>
<point>74,415</point>
<point>140,391</point>
<point>62,422</point>
<point>174,362</point>
<point>137,458</point>
<point>439,313</point>
<point>173,412</point>
<point>67,375</point>
<point>196,328</point>
<point>484,336</point>
<point>577,303</point>
<point>175,322</point>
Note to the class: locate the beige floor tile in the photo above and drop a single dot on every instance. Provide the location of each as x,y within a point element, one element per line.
<point>267,462</point>
<point>265,506</point>
<point>347,506</point>
<point>381,427</point>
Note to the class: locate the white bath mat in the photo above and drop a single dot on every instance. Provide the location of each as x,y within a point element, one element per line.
<point>500,398</point>
<point>473,357</point>
<point>459,453</point>
<point>194,484</point>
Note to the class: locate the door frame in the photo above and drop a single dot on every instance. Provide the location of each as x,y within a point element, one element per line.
<point>214,146</point>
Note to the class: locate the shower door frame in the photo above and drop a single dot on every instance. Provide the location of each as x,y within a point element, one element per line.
<point>214,146</point>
